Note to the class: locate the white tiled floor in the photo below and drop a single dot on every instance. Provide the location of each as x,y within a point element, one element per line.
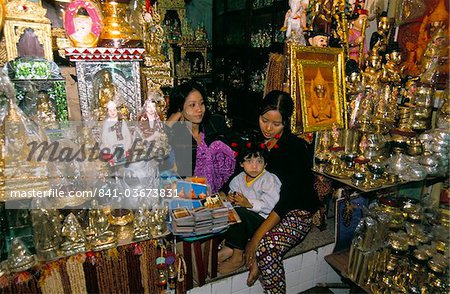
<point>302,272</point>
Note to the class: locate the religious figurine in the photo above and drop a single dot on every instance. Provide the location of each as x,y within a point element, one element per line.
<point>322,106</point>
<point>83,35</point>
<point>141,224</point>
<point>372,72</point>
<point>379,39</point>
<point>19,259</point>
<point>153,35</point>
<point>102,238</point>
<point>431,23</point>
<point>45,112</point>
<point>106,92</point>
<point>356,36</point>
<point>295,21</point>
<point>46,232</point>
<point>149,121</point>
<point>353,77</point>
<point>318,39</point>
<point>116,136</point>
<point>73,236</point>
<point>392,71</point>
<point>435,59</point>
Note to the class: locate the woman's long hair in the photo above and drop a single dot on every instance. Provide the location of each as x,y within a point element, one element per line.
<point>281,101</point>
<point>179,94</point>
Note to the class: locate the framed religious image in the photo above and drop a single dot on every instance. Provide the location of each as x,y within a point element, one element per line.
<point>82,23</point>
<point>317,87</point>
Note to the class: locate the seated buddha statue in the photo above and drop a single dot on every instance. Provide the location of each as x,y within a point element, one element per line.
<point>102,238</point>
<point>392,71</point>
<point>44,113</point>
<point>74,240</point>
<point>372,72</point>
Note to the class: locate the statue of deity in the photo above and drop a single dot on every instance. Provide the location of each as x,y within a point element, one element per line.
<point>73,236</point>
<point>295,21</point>
<point>102,237</point>
<point>356,37</point>
<point>115,133</point>
<point>46,232</point>
<point>141,224</point>
<point>435,59</point>
<point>149,121</point>
<point>392,71</point>
<point>106,92</point>
<point>83,35</point>
<point>379,39</point>
<point>372,72</point>
<point>45,112</point>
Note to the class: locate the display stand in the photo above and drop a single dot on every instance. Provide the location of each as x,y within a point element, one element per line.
<point>123,64</point>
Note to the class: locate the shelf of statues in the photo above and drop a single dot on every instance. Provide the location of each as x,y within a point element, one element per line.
<point>400,246</point>
<point>57,237</point>
<point>360,159</point>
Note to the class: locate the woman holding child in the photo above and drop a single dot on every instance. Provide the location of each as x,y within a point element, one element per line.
<point>291,219</point>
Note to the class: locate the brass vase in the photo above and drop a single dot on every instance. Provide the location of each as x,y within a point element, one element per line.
<point>117,32</point>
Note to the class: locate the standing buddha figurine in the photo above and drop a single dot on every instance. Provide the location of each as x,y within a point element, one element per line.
<point>379,39</point>
<point>106,91</point>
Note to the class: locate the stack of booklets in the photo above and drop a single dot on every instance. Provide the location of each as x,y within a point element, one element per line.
<point>211,216</point>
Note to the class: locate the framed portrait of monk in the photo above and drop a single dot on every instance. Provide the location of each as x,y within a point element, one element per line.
<point>317,87</point>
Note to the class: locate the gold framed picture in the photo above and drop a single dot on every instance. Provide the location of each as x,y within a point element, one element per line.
<point>317,88</point>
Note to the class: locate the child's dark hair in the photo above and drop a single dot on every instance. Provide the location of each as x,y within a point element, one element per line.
<point>252,150</point>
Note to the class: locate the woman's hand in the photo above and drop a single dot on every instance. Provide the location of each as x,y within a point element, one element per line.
<point>241,200</point>
<point>173,118</point>
<point>250,252</point>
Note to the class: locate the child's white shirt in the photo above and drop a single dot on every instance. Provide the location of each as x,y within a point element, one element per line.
<point>263,192</point>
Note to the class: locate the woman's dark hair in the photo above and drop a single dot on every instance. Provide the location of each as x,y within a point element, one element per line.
<point>281,101</point>
<point>179,94</point>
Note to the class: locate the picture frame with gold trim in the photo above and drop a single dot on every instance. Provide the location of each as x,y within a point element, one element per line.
<point>317,86</point>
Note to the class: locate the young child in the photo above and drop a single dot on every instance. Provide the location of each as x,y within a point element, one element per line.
<point>254,192</point>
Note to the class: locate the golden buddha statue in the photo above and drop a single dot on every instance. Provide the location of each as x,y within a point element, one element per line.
<point>45,112</point>
<point>321,104</point>
<point>372,72</point>
<point>106,92</point>
<point>23,168</point>
<point>141,224</point>
<point>431,23</point>
<point>102,237</point>
<point>46,232</point>
<point>73,236</point>
<point>435,57</point>
<point>392,71</point>
<point>379,39</point>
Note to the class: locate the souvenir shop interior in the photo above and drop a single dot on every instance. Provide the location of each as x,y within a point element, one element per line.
<point>101,102</point>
